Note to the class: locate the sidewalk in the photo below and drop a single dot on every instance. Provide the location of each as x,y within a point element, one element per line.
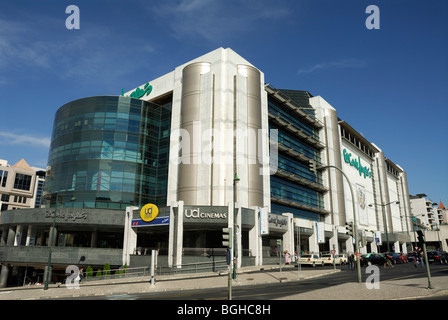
<point>396,289</point>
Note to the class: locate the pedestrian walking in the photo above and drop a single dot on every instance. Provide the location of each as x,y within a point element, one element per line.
<point>402,258</point>
<point>287,257</point>
<point>351,262</point>
<point>416,258</point>
<point>421,257</point>
<point>388,260</point>
<point>80,275</point>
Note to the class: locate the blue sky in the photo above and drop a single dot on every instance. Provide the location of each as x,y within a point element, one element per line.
<point>389,84</point>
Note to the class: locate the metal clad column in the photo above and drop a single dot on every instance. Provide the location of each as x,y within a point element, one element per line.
<point>335,176</point>
<point>382,170</point>
<point>190,108</point>
<point>254,168</point>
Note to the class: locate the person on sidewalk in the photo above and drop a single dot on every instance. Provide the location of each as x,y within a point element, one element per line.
<point>421,257</point>
<point>287,257</point>
<point>388,260</point>
<point>80,275</point>
<point>351,262</point>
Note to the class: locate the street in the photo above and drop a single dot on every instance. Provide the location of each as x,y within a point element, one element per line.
<point>287,289</point>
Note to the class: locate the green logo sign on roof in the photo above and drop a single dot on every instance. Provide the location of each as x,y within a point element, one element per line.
<point>138,93</point>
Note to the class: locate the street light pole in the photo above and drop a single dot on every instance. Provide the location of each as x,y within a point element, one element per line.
<point>50,244</point>
<point>383,206</point>
<point>235,181</point>
<point>355,225</point>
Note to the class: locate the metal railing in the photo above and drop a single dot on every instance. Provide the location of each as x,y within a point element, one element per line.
<point>121,273</point>
<point>210,266</point>
<point>117,274</point>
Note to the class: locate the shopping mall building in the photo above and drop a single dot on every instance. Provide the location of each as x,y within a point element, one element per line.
<point>211,145</point>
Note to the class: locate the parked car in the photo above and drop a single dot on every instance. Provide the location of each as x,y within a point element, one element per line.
<point>437,256</point>
<point>372,258</point>
<point>343,259</point>
<point>328,259</point>
<point>404,257</point>
<point>312,260</point>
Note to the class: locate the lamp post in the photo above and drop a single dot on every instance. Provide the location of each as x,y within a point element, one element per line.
<point>314,168</point>
<point>50,244</point>
<point>235,181</point>
<point>385,221</point>
<point>51,241</point>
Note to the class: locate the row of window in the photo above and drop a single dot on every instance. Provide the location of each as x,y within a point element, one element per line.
<point>292,142</point>
<point>16,199</point>
<point>300,169</point>
<point>118,154</point>
<point>357,142</point>
<point>21,181</point>
<point>99,104</point>
<point>3,178</point>
<point>285,114</point>
<point>280,209</point>
<point>290,191</point>
<point>285,189</point>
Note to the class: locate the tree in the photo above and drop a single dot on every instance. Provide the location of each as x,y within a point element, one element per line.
<point>106,269</point>
<point>89,272</point>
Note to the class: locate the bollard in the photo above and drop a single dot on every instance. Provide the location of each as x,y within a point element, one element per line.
<point>153,279</point>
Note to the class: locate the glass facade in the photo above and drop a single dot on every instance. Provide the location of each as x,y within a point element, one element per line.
<point>295,188</point>
<point>109,152</point>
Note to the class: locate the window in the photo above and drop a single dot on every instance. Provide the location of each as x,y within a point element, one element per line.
<point>22,182</point>
<point>4,178</point>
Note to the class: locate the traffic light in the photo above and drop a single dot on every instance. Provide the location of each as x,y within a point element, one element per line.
<point>349,228</point>
<point>421,236</point>
<point>227,237</point>
<point>312,166</point>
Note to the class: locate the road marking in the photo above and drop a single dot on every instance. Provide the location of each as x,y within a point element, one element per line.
<point>413,275</point>
<point>5,292</point>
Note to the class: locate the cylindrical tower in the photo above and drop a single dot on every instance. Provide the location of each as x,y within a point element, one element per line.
<point>254,168</point>
<point>191,157</point>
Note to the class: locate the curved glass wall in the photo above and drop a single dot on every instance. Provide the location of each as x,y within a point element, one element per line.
<point>109,152</point>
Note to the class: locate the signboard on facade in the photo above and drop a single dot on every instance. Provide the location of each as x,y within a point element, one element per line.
<point>378,237</point>
<point>138,93</point>
<point>362,205</point>
<point>158,221</point>
<point>205,214</point>
<point>264,221</point>
<point>277,222</point>
<point>66,214</point>
<point>320,232</point>
<point>149,212</point>
<point>356,163</point>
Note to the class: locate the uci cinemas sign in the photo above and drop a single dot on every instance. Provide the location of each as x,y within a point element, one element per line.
<point>204,213</point>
